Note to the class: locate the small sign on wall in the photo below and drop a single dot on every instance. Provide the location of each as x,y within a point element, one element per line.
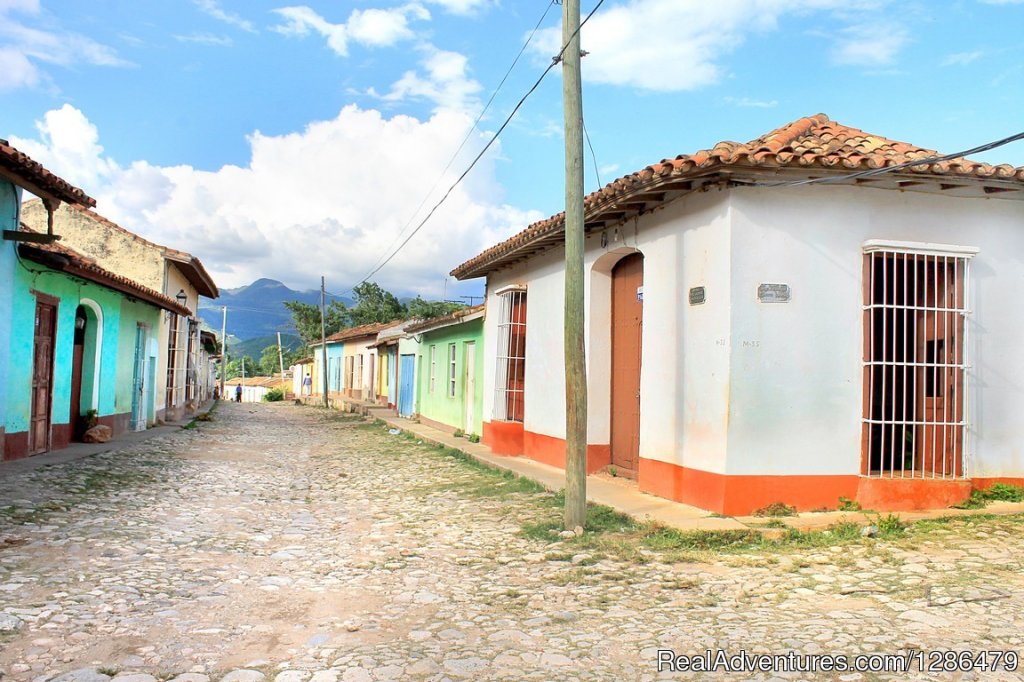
<point>774,293</point>
<point>640,294</point>
<point>697,295</point>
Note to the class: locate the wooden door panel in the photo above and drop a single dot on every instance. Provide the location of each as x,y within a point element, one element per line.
<point>42,377</point>
<point>627,327</point>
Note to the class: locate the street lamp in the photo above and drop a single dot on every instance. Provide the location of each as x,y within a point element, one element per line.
<point>182,298</point>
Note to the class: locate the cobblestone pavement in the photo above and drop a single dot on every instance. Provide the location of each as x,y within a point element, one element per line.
<point>278,543</point>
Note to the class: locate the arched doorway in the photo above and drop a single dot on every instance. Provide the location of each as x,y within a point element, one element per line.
<point>627,327</point>
<point>85,369</point>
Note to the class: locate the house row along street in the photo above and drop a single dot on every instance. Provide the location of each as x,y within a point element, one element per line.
<point>282,542</point>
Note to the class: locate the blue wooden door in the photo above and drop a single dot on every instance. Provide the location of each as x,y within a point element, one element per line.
<point>407,385</point>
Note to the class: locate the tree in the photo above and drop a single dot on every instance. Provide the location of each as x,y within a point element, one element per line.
<point>234,368</point>
<point>420,309</point>
<point>306,317</point>
<point>374,304</point>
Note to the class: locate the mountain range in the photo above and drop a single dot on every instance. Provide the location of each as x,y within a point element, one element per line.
<point>258,310</point>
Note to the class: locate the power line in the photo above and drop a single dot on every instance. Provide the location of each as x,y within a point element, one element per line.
<point>554,61</point>
<point>469,133</point>
<point>597,171</point>
<point>900,166</point>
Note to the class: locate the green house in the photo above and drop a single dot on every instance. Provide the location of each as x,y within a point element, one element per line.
<point>449,376</point>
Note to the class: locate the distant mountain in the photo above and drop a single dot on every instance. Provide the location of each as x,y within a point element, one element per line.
<point>257,310</point>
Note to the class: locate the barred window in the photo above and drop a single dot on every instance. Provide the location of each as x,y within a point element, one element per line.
<point>511,358</point>
<point>915,363</point>
<point>433,368</point>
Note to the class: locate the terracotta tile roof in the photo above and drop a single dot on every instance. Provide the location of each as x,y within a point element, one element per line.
<point>813,145</point>
<point>60,257</point>
<point>356,332</point>
<point>190,266</point>
<point>444,320</point>
<point>21,169</point>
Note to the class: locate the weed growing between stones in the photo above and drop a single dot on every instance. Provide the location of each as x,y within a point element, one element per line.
<point>997,492</point>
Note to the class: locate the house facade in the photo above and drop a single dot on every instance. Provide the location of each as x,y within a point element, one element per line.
<point>176,274</point>
<point>75,339</point>
<point>408,375</point>
<point>754,338</point>
<point>452,361</point>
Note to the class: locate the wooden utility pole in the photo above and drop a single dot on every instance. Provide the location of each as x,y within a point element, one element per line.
<point>575,359</point>
<point>280,355</point>
<point>323,334</point>
<point>223,348</point>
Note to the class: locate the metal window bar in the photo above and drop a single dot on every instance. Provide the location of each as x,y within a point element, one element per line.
<point>452,373</point>
<point>915,365</point>
<point>509,385</point>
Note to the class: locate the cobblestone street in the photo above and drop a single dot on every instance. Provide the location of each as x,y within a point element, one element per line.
<point>276,542</point>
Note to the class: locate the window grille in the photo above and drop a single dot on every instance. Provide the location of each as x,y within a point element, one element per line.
<point>511,358</point>
<point>357,373</point>
<point>451,370</point>
<point>433,367</point>
<point>915,364</point>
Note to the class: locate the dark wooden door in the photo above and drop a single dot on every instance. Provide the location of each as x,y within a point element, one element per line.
<point>627,326</point>
<point>42,377</point>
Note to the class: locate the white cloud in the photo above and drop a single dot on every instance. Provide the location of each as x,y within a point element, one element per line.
<point>327,199</point>
<point>749,102</point>
<point>462,6</point>
<point>213,9</point>
<point>871,44</point>
<point>962,58</point>
<point>205,39</point>
<point>671,46</point>
<point>446,81</point>
<point>44,42</point>
<point>370,27</point>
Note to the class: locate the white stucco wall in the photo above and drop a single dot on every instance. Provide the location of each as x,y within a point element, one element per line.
<point>796,392</point>
<point>741,387</point>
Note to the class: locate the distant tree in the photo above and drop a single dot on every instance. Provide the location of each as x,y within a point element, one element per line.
<point>234,368</point>
<point>374,304</point>
<point>307,319</point>
<point>270,361</point>
<point>421,309</point>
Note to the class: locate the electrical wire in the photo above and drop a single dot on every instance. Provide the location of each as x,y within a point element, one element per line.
<point>900,166</point>
<point>469,133</point>
<point>554,61</point>
<point>593,156</point>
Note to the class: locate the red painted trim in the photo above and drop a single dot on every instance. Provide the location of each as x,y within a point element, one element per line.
<point>551,450</point>
<point>15,445</point>
<point>60,436</point>
<point>742,495</point>
<point>503,438</point>
<point>118,423</point>
<point>987,482</point>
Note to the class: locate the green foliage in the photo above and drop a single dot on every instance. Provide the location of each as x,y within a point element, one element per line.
<point>234,368</point>
<point>459,433</point>
<point>306,317</point>
<point>274,395</point>
<point>890,524</point>
<point>374,304</point>
<point>421,309</point>
<point>776,509</point>
<point>846,504</point>
<point>998,492</point>
<point>473,438</point>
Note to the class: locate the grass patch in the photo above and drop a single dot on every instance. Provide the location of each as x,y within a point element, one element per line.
<point>997,492</point>
<point>776,509</point>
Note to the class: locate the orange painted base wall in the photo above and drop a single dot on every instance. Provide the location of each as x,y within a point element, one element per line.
<point>742,495</point>
<point>510,438</point>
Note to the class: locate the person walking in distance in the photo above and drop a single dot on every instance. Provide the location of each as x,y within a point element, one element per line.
<point>238,393</point>
<point>307,385</point>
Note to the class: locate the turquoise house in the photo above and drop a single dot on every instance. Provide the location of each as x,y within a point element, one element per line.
<point>335,365</point>
<point>76,340</point>
<point>450,370</point>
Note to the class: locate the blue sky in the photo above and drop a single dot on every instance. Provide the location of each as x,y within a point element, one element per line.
<point>290,141</point>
